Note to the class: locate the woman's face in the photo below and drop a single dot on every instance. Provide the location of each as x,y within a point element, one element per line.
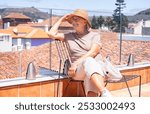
<point>78,23</point>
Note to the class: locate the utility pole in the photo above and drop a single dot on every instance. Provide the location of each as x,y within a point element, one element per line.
<point>120,15</point>
<point>50,42</point>
<point>120,5</point>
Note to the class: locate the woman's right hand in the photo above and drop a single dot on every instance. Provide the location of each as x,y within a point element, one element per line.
<point>53,32</point>
<point>65,17</point>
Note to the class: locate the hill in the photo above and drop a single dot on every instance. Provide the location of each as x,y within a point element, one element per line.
<point>35,13</point>
<point>32,12</point>
<point>145,15</point>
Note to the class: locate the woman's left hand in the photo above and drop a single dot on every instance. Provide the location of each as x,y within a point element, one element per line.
<point>72,70</point>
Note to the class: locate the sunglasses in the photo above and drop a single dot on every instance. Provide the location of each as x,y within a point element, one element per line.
<point>75,18</point>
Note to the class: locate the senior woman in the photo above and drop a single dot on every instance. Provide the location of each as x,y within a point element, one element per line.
<point>84,46</point>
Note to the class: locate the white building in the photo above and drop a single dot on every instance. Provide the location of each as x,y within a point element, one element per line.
<point>5,42</point>
<point>140,28</point>
<point>146,23</point>
<point>25,37</point>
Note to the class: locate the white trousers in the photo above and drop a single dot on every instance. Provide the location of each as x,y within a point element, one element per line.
<point>85,70</point>
<point>90,66</point>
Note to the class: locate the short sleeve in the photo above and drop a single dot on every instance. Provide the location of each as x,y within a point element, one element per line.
<point>96,39</point>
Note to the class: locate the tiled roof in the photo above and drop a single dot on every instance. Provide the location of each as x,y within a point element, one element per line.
<point>8,31</point>
<point>25,32</point>
<point>37,33</point>
<point>52,21</point>
<point>16,16</point>
<point>41,54</point>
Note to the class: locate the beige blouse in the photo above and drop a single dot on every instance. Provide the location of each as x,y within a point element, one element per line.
<point>80,46</point>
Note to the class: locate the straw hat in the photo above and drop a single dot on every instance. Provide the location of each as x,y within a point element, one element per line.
<point>80,13</point>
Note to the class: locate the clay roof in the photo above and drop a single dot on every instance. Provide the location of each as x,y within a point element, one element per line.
<point>41,54</point>
<point>52,21</point>
<point>37,33</point>
<point>25,32</point>
<point>16,16</point>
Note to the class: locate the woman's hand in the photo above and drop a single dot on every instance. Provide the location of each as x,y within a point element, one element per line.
<point>72,70</point>
<point>54,33</point>
<point>65,18</point>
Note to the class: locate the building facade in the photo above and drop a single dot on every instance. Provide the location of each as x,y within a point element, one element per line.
<point>5,42</point>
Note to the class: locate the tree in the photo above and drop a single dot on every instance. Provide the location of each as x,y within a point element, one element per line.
<point>119,18</point>
<point>100,21</point>
<point>109,23</point>
<point>94,23</point>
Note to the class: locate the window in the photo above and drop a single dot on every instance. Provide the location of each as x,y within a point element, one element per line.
<point>1,38</point>
<point>6,38</point>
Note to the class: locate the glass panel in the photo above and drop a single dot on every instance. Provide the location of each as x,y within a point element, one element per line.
<point>29,42</point>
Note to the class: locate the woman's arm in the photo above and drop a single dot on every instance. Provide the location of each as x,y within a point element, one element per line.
<point>53,33</point>
<point>94,51</point>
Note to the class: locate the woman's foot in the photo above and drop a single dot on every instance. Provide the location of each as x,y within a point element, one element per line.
<point>106,93</point>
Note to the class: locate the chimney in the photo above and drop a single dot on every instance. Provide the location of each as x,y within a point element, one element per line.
<point>6,25</point>
<point>46,28</point>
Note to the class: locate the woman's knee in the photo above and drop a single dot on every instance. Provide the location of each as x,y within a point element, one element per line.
<point>88,61</point>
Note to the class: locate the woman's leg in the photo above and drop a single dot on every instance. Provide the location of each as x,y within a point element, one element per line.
<point>92,73</point>
<point>95,76</point>
<point>98,81</point>
<point>92,94</point>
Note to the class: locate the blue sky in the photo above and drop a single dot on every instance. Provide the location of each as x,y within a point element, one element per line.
<point>132,6</point>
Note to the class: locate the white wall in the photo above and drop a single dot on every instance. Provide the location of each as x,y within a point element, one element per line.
<point>147,23</point>
<point>6,25</point>
<point>20,43</point>
<point>5,43</point>
<point>138,28</point>
<point>140,25</point>
<point>26,42</point>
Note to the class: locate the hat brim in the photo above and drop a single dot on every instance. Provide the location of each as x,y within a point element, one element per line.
<point>68,18</point>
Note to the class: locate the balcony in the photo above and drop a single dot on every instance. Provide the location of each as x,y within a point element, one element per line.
<point>47,84</point>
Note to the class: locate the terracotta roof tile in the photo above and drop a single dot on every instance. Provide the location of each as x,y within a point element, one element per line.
<point>25,32</point>
<point>37,33</point>
<point>16,16</point>
<point>52,20</point>
<point>41,54</point>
